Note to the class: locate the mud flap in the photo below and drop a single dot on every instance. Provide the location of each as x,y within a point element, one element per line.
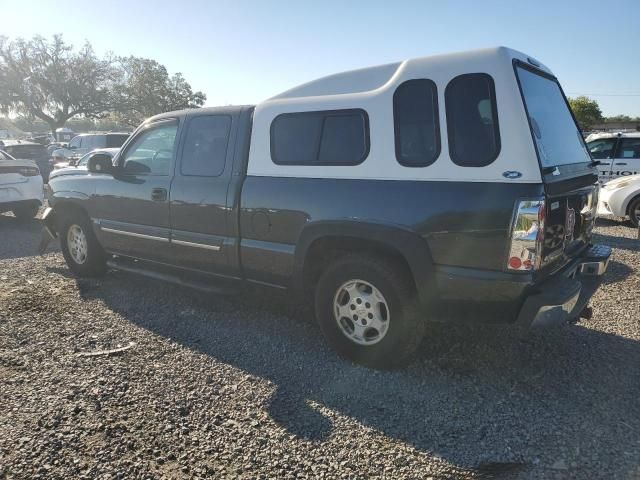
<point>48,230</point>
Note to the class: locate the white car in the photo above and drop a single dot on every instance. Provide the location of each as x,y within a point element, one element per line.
<point>20,186</point>
<point>621,198</point>
<point>618,154</point>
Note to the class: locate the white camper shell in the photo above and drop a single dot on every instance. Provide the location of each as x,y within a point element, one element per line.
<point>371,91</point>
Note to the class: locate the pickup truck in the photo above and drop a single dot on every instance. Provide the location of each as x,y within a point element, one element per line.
<point>439,188</point>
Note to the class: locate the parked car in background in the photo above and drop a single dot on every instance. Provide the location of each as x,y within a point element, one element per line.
<point>24,150</point>
<point>618,154</point>
<point>621,198</point>
<point>360,194</point>
<point>86,142</point>
<point>80,168</point>
<point>20,186</point>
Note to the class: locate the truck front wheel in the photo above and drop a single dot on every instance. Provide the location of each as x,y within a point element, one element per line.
<point>367,310</point>
<point>80,247</point>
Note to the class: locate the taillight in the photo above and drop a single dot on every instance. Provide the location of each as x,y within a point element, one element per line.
<point>28,171</point>
<point>527,234</point>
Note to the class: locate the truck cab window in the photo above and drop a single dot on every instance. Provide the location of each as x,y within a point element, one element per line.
<point>205,146</point>
<point>152,152</point>
<point>472,120</point>
<point>629,148</point>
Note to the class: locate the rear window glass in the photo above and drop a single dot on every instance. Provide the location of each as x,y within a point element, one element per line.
<point>416,125</point>
<point>629,148</point>
<point>205,146</point>
<point>556,134</point>
<point>337,137</point>
<point>116,141</point>
<point>29,152</point>
<point>472,120</point>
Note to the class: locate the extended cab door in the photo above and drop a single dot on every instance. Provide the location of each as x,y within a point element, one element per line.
<point>627,157</point>
<point>132,206</point>
<point>201,227</point>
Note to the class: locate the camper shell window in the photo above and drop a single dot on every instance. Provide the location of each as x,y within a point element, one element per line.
<point>332,137</point>
<point>472,120</point>
<point>416,124</point>
<point>557,137</point>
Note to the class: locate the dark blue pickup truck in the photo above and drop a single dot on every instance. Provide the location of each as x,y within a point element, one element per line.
<point>438,188</point>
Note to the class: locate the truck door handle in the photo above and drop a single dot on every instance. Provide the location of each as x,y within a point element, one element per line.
<point>621,163</point>
<point>159,194</point>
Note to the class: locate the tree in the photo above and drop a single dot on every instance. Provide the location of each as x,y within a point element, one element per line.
<point>146,89</point>
<point>52,82</point>
<point>586,111</point>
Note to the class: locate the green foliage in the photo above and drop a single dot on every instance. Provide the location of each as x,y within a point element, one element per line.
<point>146,89</point>
<point>586,111</point>
<point>53,83</point>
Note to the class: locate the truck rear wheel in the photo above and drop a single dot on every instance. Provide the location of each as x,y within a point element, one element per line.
<point>80,247</point>
<point>367,310</point>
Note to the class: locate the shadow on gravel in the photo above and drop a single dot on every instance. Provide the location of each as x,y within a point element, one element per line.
<point>477,396</point>
<point>20,238</point>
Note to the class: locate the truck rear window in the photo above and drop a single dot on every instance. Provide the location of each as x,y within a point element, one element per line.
<point>28,152</point>
<point>556,134</point>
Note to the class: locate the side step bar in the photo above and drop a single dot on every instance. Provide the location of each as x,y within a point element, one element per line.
<point>135,267</point>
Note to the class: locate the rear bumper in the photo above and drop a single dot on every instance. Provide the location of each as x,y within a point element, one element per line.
<point>565,296</point>
<point>501,297</point>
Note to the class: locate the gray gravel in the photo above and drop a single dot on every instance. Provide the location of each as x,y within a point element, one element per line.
<point>227,387</point>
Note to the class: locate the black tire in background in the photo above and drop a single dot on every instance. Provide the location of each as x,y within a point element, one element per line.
<point>93,262</point>
<point>634,209</point>
<point>406,326</point>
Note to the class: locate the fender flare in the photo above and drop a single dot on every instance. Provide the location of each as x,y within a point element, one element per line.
<point>411,246</point>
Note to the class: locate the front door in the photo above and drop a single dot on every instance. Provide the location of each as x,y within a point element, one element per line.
<point>200,224</point>
<point>627,157</point>
<point>132,207</point>
<point>603,150</point>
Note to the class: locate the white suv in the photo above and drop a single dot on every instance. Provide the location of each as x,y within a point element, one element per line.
<point>20,186</point>
<point>618,154</point>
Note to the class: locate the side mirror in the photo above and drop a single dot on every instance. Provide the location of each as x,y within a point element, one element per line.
<point>100,163</point>
<point>73,147</point>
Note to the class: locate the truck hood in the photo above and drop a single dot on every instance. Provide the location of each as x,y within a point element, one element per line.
<point>18,163</point>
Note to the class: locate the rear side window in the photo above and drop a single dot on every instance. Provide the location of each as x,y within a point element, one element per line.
<point>416,125</point>
<point>116,141</point>
<point>629,148</point>
<point>472,120</point>
<point>336,137</point>
<point>205,146</point>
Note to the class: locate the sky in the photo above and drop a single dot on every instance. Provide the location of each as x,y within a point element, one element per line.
<point>244,51</point>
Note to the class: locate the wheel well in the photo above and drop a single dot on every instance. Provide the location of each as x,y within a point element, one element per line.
<point>66,208</point>
<point>325,250</point>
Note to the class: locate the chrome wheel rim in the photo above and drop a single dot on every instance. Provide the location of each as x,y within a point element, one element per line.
<point>77,244</point>
<point>361,312</point>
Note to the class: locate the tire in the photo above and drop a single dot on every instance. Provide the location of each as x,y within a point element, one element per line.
<point>634,212</point>
<point>397,337</point>
<point>84,258</point>
<point>26,212</point>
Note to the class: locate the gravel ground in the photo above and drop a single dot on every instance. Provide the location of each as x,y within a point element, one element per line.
<point>228,387</point>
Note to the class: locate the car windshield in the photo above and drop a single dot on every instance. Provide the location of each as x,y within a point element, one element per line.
<point>557,136</point>
<point>84,159</point>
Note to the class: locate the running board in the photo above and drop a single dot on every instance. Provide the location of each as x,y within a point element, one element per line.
<point>131,266</point>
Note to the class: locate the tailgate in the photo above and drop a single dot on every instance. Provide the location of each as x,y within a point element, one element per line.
<point>570,215</point>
